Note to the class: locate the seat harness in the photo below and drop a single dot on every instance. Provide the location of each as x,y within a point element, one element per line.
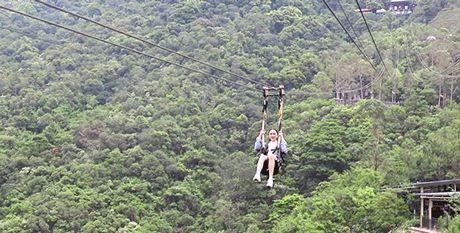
<point>267,92</point>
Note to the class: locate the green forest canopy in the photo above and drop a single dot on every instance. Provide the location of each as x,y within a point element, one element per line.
<point>98,139</point>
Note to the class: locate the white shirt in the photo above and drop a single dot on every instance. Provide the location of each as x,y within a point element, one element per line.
<point>271,147</point>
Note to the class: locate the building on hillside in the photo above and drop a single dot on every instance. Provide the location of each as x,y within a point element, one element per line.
<point>397,7</point>
<point>434,201</point>
<point>401,7</point>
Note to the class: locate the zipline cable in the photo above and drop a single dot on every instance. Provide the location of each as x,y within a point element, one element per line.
<point>24,33</point>
<point>124,47</point>
<point>351,24</point>
<point>349,36</point>
<point>411,68</point>
<point>379,76</point>
<point>372,37</point>
<point>372,82</point>
<point>156,45</point>
<point>420,59</point>
<point>146,41</point>
<point>194,59</point>
<point>450,68</point>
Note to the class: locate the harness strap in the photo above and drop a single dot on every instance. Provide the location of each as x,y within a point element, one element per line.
<point>281,96</point>
<point>264,113</point>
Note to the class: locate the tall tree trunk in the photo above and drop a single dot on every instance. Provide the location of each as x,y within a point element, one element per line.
<point>452,90</point>
<point>372,89</point>
<point>439,95</point>
<point>393,93</point>
<point>393,80</point>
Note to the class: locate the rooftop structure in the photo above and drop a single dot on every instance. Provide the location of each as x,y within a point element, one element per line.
<point>397,7</point>
<point>435,197</point>
<point>401,7</point>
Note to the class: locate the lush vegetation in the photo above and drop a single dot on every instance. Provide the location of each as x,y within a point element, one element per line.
<point>97,139</point>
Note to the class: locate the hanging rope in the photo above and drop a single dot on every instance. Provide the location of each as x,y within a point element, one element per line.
<point>264,114</point>
<point>281,98</point>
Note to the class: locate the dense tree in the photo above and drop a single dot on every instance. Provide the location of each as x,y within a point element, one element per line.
<point>349,202</point>
<point>96,139</point>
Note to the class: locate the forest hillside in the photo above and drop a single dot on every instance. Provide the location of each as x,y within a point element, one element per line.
<point>97,138</point>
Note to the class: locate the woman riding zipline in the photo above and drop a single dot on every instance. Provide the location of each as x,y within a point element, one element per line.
<point>272,153</point>
<point>271,156</point>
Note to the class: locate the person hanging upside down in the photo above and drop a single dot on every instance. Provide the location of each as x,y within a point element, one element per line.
<point>270,157</point>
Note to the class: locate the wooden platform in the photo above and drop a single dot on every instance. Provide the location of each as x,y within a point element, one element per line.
<point>422,230</point>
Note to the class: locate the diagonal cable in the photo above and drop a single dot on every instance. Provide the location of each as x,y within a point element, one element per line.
<point>349,36</point>
<point>124,47</point>
<point>146,41</point>
<point>350,23</point>
<point>372,37</point>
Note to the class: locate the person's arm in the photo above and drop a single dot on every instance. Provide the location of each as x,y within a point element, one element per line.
<point>258,144</point>
<point>283,143</point>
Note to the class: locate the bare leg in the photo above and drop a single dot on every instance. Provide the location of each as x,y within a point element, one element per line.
<point>271,166</point>
<point>260,165</point>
